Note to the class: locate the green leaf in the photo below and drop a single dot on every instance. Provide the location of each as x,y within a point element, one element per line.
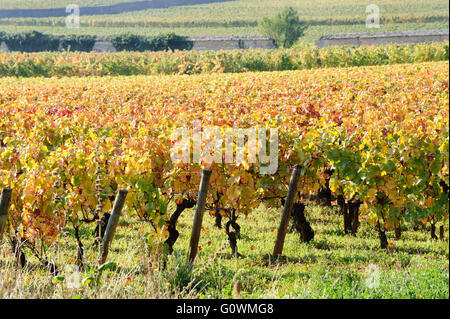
<point>435,166</point>
<point>107,266</point>
<point>88,280</point>
<point>57,279</point>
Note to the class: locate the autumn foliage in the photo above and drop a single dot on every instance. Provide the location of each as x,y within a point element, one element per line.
<point>68,145</point>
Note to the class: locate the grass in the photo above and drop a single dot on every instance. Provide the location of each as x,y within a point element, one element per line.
<point>333,265</point>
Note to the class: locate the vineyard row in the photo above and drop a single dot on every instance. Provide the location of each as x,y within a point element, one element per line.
<point>375,137</point>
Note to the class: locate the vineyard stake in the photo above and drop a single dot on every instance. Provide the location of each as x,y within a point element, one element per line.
<point>286,215</point>
<point>197,226</point>
<point>4,206</point>
<point>112,224</point>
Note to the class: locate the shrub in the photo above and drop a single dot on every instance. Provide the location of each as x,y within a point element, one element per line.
<point>130,42</point>
<point>81,43</point>
<point>32,42</point>
<point>176,42</point>
<point>164,42</point>
<point>37,42</point>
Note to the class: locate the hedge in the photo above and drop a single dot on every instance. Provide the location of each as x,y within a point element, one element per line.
<point>31,42</point>
<point>81,43</point>
<point>37,42</point>
<point>164,42</point>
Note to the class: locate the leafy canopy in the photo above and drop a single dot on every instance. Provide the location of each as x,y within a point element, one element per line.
<point>285,28</point>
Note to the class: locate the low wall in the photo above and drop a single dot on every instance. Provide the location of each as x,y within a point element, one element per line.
<point>103,46</point>
<point>3,47</point>
<point>357,39</point>
<point>231,43</point>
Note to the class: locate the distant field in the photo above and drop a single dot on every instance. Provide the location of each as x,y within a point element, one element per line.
<point>251,10</point>
<point>248,12</point>
<point>41,4</point>
<point>58,9</point>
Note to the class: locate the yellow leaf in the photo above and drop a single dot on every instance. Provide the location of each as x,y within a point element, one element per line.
<point>107,206</point>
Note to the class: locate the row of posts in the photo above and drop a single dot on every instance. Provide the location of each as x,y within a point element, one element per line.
<point>119,203</point>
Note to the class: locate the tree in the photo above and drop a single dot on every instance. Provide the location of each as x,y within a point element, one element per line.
<point>285,28</point>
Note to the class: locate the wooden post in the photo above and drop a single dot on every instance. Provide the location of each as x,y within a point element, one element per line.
<point>5,200</point>
<point>112,224</point>
<point>197,226</point>
<point>282,230</point>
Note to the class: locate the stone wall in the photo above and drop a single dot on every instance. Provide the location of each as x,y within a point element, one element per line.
<point>103,46</point>
<point>262,43</point>
<point>3,47</point>
<point>231,43</point>
<point>357,39</point>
